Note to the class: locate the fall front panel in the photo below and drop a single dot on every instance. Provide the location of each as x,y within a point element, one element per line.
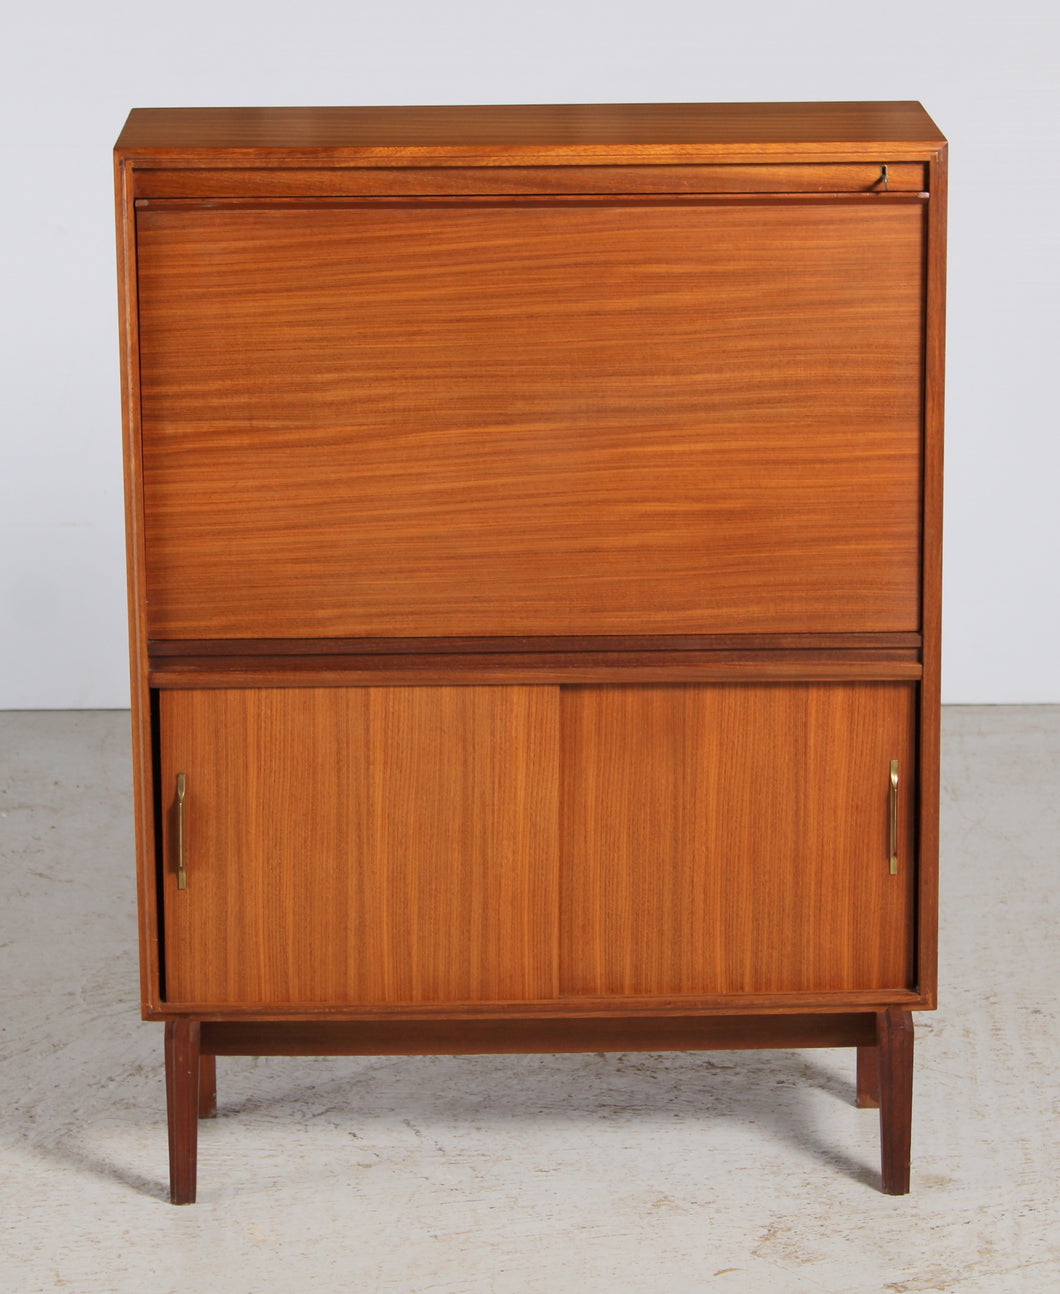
<point>549,418</point>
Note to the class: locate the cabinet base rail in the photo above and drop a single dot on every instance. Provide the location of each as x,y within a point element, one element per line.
<point>884,1042</point>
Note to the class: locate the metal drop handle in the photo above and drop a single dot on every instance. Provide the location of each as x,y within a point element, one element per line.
<point>182,832</point>
<point>894,817</point>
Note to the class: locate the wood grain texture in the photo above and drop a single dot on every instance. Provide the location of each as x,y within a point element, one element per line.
<point>363,845</point>
<point>207,1086</point>
<point>429,1038</point>
<point>868,1076</point>
<point>931,692</point>
<point>360,669</point>
<point>531,420</point>
<point>412,181</point>
<point>735,839</point>
<point>140,697</point>
<point>162,650</point>
<point>182,1103</point>
<point>655,1006</point>
<point>894,1046</point>
<point>445,845</point>
<point>539,134</point>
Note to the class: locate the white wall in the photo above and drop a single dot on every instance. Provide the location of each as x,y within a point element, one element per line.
<point>70,72</point>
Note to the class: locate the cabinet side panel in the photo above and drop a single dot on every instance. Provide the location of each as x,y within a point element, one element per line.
<point>518,418</point>
<point>735,839</point>
<point>143,765</point>
<point>931,691</point>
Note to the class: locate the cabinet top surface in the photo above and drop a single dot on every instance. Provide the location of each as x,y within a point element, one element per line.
<point>567,132</point>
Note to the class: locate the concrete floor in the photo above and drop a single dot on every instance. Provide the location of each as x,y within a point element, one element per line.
<point>737,1172</point>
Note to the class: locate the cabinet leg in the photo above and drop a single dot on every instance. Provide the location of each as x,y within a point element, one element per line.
<point>207,1086</point>
<point>182,1101</point>
<point>868,1097</point>
<point>894,1037</point>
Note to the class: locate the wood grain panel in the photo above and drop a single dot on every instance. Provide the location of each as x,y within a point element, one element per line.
<point>734,839</point>
<point>610,1007</point>
<point>465,820</point>
<point>188,647</point>
<point>531,420</point>
<point>359,845</point>
<point>140,696</point>
<point>473,1037</point>
<point>505,134</point>
<point>863,177</point>
<point>432,668</point>
<point>931,693</point>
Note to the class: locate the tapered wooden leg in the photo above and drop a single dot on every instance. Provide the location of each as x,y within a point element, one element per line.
<point>207,1086</point>
<point>182,1100</point>
<point>868,1097</point>
<point>894,1037</point>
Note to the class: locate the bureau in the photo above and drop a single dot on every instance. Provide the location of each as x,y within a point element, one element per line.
<point>534,560</point>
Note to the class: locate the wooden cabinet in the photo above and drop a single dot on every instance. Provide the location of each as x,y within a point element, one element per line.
<point>534,524</point>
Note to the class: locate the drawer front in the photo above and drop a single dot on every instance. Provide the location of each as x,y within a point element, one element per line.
<point>531,418</point>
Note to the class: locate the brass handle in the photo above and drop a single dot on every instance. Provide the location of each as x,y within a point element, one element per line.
<point>182,833</point>
<point>894,817</point>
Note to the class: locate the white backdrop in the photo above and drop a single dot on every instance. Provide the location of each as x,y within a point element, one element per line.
<point>71,71</point>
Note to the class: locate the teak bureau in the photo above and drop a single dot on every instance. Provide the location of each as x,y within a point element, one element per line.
<point>534,550</point>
